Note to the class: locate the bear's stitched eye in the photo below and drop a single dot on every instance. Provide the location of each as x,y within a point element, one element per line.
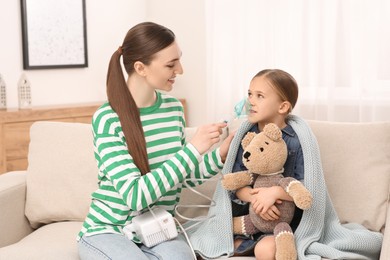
<point>266,143</point>
<point>261,149</point>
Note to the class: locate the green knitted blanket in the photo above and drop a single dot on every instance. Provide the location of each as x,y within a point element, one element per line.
<point>319,234</point>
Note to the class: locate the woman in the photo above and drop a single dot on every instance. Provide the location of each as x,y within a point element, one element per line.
<point>140,148</point>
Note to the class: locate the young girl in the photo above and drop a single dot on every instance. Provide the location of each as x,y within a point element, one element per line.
<point>272,95</point>
<point>140,148</point>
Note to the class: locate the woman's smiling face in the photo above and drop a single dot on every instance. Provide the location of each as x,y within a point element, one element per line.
<point>161,72</point>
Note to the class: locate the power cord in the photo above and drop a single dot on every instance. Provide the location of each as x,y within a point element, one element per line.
<point>187,238</point>
<point>212,202</point>
<point>197,220</point>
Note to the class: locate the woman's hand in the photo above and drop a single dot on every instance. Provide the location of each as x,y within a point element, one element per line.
<point>206,136</point>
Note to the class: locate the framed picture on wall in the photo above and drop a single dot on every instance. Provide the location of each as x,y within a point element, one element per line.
<point>54,34</point>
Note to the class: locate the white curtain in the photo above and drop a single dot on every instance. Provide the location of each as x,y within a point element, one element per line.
<point>337,50</point>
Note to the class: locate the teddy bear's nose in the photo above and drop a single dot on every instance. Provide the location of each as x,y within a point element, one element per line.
<point>246,155</point>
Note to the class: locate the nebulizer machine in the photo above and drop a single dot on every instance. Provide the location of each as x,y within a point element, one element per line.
<point>152,227</point>
<point>157,225</point>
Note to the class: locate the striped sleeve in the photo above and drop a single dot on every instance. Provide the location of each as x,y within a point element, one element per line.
<point>116,165</point>
<point>210,166</point>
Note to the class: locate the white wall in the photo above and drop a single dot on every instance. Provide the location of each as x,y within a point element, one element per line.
<point>187,20</point>
<point>107,24</point>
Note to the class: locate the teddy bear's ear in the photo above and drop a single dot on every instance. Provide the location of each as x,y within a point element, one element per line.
<point>247,139</point>
<point>273,132</point>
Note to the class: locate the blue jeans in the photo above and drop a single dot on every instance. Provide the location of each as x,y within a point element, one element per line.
<point>116,246</point>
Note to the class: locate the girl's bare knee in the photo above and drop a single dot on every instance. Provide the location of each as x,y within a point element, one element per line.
<point>265,248</point>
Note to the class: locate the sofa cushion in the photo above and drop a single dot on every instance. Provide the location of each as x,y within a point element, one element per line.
<point>62,172</point>
<point>53,241</point>
<point>356,164</point>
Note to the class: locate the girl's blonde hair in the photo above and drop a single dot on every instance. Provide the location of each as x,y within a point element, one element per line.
<point>283,83</point>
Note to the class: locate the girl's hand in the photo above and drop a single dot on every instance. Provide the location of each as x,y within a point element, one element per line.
<point>263,203</point>
<point>224,148</point>
<point>272,213</point>
<point>206,136</point>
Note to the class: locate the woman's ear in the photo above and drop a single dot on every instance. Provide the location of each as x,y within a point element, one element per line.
<point>139,68</point>
<point>285,107</point>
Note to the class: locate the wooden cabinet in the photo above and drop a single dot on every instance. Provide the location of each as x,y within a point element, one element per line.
<point>15,129</point>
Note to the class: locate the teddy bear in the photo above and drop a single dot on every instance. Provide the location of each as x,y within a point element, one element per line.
<point>264,156</point>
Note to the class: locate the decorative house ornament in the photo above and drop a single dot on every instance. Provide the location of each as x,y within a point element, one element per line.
<point>3,94</point>
<point>24,90</point>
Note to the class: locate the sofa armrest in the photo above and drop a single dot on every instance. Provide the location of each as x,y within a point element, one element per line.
<point>13,222</point>
<point>385,252</point>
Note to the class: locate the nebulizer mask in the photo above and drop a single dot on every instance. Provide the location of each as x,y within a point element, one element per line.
<point>240,114</point>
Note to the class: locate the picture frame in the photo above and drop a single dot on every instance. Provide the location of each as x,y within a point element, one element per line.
<point>54,34</point>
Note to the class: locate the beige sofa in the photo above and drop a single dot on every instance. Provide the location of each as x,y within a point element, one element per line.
<point>42,209</point>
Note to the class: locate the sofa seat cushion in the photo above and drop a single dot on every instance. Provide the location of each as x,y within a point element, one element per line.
<point>52,241</point>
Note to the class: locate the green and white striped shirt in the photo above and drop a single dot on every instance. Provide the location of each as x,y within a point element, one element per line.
<point>123,193</point>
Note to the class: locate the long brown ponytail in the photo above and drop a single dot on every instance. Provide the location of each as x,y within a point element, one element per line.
<point>140,44</point>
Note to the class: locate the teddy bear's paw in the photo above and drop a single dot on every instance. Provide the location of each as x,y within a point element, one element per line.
<point>304,201</point>
<point>234,181</point>
<point>228,181</point>
<point>285,242</point>
<point>302,197</point>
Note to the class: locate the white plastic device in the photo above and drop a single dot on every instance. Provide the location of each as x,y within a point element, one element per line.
<point>157,225</point>
<point>152,227</point>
